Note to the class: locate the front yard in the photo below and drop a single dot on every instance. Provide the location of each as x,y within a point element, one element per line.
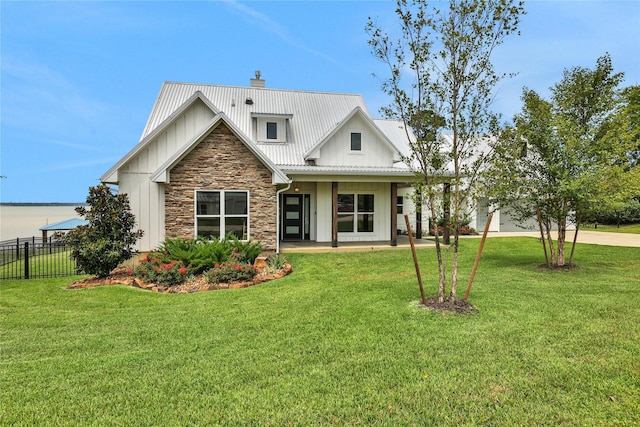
<point>340,341</point>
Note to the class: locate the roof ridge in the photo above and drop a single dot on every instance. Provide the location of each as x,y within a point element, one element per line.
<point>168,82</point>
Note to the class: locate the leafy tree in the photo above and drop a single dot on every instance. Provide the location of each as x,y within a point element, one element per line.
<point>448,56</point>
<point>568,156</point>
<point>108,239</point>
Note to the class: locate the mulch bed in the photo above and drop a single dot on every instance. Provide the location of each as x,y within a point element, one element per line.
<point>119,276</point>
<point>459,307</point>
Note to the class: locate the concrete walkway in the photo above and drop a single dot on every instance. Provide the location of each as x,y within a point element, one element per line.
<point>589,237</point>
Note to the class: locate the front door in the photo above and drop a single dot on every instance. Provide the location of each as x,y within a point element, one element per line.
<point>292,217</point>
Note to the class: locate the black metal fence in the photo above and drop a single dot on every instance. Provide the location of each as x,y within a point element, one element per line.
<point>33,257</point>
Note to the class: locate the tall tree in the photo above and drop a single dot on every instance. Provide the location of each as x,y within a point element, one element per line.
<point>448,56</point>
<point>569,155</point>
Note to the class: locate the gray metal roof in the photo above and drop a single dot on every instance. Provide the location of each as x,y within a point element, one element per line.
<point>68,224</point>
<point>312,115</point>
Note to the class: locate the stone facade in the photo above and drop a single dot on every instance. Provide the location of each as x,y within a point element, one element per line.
<point>221,162</point>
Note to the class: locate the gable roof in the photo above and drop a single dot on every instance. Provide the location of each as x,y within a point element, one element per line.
<point>315,149</point>
<point>311,115</point>
<point>312,118</point>
<point>111,176</point>
<point>162,173</point>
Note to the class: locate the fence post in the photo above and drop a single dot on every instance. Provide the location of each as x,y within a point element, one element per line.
<point>17,248</point>
<point>26,260</point>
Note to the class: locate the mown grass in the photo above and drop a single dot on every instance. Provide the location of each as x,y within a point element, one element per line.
<point>340,341</point>
<point>625,228</point>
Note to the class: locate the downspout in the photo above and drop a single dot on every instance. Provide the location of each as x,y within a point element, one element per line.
<point>278,192</point>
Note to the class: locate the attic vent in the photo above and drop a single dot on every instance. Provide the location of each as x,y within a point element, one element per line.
<point>248,101</point>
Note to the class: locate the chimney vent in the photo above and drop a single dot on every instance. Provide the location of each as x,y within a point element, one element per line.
<point>257,82</point>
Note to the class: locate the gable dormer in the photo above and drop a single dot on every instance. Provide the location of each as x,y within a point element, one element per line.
<point>271,128</point>
<point>356,141</point>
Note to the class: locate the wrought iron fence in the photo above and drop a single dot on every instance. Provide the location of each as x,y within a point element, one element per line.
<point>33,257</point>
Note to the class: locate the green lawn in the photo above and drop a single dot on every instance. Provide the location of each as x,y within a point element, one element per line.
<point>627,228</point>
<point>340,341</point>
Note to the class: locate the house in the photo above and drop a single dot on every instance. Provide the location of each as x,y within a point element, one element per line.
<point>265,164</point>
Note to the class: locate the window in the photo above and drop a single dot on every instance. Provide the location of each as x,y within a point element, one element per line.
<point>400,204</point>
<point>356,141</point>
<point>272,130</point>
<point>219,213</point>
<point>355,213</point>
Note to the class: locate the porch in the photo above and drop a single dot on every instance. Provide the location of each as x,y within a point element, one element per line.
<point>307,246</point>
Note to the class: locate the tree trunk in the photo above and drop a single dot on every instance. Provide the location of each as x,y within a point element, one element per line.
<point>552,252</point>
<point>562,234</point>
<point>544,245</point>
<point>454,269</point>
<point>575,239</point>
<point>441,269</point>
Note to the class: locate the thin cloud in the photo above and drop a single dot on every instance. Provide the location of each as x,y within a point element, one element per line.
<point>269,25</point>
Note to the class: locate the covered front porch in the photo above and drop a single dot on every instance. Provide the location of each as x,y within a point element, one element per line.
<point>308,246</point>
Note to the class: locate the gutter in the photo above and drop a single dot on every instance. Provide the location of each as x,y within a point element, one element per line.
<point>278,192</point>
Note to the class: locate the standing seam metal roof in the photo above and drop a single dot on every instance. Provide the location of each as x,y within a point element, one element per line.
<point>314,114</point>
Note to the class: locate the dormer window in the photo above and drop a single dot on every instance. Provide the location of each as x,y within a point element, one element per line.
<point>271,128</point>
<point>356,141</point>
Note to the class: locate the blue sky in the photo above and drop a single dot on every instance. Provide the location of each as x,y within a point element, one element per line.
<point>78,79</point>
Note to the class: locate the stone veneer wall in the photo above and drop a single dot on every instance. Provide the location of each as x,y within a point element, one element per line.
<point>221,162</point>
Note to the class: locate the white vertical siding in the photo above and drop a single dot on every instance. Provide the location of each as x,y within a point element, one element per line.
<point>323,217</point>
<point>146,197</point>
<point>337,151</point>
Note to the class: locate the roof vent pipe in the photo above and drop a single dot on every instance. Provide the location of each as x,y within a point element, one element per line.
<point>257,82</point>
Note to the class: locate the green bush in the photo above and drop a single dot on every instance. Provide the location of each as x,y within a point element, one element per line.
<point>201,255</point>
<point>156,270</point>
<point>108,239</point>
<point>230,272</point>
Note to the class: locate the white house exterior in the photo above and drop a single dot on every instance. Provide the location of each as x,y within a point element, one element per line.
<point>265,164</point>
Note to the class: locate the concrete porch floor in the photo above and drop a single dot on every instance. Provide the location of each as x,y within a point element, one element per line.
<point>307,246</point>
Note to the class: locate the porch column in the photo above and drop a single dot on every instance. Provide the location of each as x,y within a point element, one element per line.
<point>446,204</point>
<point>334,214</point>
<point>394,214</point>
<point>419,216</point>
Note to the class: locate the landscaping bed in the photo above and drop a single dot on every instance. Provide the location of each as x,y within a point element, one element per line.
<point>198,283</point>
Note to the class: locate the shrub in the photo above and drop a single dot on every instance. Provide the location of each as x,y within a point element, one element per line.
<point>247,251</point>
<point>108,239</point>
<point>276,262</point>
<point>156,270</point>
<point>202,254</point>
<point>230,272</point>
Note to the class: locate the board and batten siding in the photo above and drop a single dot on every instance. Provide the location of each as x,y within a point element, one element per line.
<point>375,152</point>
<point>382,210</point>
<point>147,198</point>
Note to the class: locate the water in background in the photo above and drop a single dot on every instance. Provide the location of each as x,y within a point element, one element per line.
<point>25,219</point>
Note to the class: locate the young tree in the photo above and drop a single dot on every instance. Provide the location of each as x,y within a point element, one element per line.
<point>567,156</point>
<point>108,239</point>
<point>447,56</point>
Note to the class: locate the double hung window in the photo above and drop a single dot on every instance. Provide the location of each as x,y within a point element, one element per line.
<point>222,212</point>
<point>355,213</point>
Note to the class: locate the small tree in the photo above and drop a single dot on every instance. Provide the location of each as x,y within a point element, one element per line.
<point>569,156</point>
<point>108,239</point>
<point>447,54</point>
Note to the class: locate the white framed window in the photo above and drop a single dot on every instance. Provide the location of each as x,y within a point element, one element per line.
<point>222,212</point>
<point>400,205</point>
<point>356,213</point>
<point>356,141</point>
<point>271,129</point>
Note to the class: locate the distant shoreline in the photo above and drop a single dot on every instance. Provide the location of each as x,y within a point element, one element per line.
<point>42,204</point>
